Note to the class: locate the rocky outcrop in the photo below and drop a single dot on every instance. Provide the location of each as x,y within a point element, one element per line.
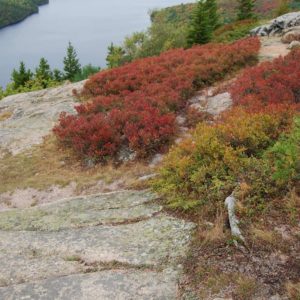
<point>209,102</point>
<point>294,45</point>
<point>278,25</point>
<point>109,285</point>
<point>271,48</point>
<point>31,116</point>
<point>108,246</point>
<point>291,34</point>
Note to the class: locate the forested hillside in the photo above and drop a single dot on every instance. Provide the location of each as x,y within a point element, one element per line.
<point>227,8</point>
<point>13,11</point>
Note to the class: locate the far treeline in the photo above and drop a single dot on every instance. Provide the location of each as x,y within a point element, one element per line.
<point>14,11</point>
<point>25,80</point>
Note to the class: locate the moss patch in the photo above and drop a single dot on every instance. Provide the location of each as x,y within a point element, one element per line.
<point>5,115</point>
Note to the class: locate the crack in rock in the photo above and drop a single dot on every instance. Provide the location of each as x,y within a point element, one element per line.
<point>94,210</point>
<point>107,285</point>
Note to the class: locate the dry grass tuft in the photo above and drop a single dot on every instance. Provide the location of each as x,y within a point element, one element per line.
<point>292,201</point>
<point>245,288</point>
<point>293,290</point>
<point>45,165</point>
<point>216,233</point>
<point>264,235</point>
<point>214,282</point>
<point>211,280</point>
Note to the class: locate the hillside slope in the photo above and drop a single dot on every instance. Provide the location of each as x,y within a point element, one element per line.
<point>181,14</point>
<point>62,238</point>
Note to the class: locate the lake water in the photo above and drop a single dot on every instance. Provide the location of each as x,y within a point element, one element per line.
<point>91,25</point>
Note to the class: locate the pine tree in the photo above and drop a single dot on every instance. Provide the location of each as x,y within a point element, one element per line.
<point>58,75</point>
<point>246,9</point>
<point>212,9</point>
<point>204,21</point>
<point>200,29</point>
<point>43,73</point>
<point>21,76</point>
<point>71,63</point>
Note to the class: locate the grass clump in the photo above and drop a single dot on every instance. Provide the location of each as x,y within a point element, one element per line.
<point>245,288</point>
<point>293,290</point>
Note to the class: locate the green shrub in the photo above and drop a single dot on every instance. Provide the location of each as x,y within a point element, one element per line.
<point>160,36</point>
<point>30,86</point>
<point>284,156</point>
<point>86,72</point>
<point>200,170</point>
<point>233,31</point>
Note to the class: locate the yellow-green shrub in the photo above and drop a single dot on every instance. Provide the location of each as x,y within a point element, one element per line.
<point>254,131</point>
<point>217,159</point>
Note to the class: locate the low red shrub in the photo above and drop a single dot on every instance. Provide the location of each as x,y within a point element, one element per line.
<point>269,85</point>
<point>147,130</point>
<point>134,105</point>
<point>95,135</point>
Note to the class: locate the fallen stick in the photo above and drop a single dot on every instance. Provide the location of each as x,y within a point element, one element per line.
<point>233,220</point>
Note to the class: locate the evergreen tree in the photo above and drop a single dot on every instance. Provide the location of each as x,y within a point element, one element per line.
<point>58,75</point>
<point>71,63</point>
<point>212,10</point>
<point>115,56</point>
<point>21,76</point>
<point>246,9</point>
<point>43,73</point>
<point>204,21</point>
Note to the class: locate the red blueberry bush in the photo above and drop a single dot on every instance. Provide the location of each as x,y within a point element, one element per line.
<point>270,85</point>
<point>135,105</point>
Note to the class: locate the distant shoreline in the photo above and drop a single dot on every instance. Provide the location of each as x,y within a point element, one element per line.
<point>21,19</point>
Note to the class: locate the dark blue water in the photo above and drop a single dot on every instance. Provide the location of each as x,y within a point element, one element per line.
<point>91,25</point>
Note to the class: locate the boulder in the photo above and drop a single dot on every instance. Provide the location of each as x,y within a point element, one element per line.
<point>213,105</point>
<point>294,45</point>
<point>278,25</point>
<point>294,28</point>
<point>291,34</point>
